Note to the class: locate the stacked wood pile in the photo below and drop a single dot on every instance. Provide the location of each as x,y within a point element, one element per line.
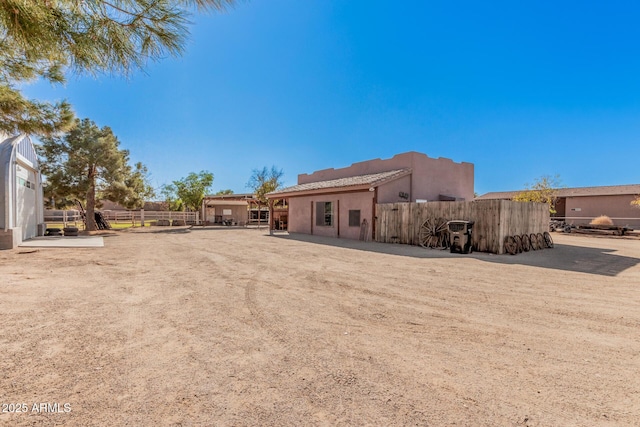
<point>101,222</point>
<point>494,221</point>
<point>601,229</point>
<point>99,219</point>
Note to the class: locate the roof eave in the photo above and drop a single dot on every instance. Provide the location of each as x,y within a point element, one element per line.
<point>350,188</point>
<point>343,189</point>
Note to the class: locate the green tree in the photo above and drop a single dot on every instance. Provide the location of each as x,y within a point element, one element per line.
<point>41,39</point>
<point>192,189</point>
<point>134,190</point>
<point>543,190</point>
<point>224,192</point>
<point>262,182</point>
<point>87,161</point>
<point>171,200</point>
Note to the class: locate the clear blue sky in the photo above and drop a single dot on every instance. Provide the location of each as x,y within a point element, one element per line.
<point>520,89</point>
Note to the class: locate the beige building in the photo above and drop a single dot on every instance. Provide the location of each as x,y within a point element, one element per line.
<point>227,209</point>
<point>342,202</point>
<point>581,204</point>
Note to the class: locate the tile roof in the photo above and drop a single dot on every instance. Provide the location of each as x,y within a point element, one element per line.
<point>609,190</point>
<point>373,180</point>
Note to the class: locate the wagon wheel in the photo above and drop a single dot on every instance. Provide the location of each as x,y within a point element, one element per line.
<point>433,233</point>
<point>534,241</point>
<point>510,245</point>
<point>518,240</point>
<point>443,233</point>
<point>526,242</point>
<point>541,241</point>
<point>548,241</point>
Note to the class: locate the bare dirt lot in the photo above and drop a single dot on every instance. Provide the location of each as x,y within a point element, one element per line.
<point>235,327</point>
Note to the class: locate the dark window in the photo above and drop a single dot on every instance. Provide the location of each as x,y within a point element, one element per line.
<point>253,215</point>
<point>354,218</point>
<point>324,214</point>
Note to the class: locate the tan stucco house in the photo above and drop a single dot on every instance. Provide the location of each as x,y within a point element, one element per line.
<point>582,204</point>
<point>342,202</point>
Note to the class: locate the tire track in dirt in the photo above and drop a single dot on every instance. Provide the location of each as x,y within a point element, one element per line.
<point>354,384</point>
<point>271,327</point>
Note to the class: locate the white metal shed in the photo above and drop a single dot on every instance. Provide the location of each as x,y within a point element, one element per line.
<point>21,198</point>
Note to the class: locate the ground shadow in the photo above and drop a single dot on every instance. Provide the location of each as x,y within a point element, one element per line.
<point>600,261</point>
<point>192,228</point>
<point>230,227</point>
<point>161,230</point>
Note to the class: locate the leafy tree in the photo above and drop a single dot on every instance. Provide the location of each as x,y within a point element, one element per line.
<point>192,189</point>
<point>224,192</point>
<point>43,38</point>
<point>87,161</point>
<point>264,181</point>
<point>171,200</point>
<point>543,190</point>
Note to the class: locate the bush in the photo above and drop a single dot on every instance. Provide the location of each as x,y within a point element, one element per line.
<point>602,220</point>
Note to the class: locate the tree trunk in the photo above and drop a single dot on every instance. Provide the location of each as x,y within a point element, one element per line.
<point>91,203</point>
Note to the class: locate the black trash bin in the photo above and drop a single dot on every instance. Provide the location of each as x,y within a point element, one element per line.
<point>460,236</point>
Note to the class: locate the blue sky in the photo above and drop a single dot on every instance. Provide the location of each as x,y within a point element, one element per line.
<point>520,89</point>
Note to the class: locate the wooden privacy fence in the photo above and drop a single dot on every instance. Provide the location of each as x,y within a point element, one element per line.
<point>493,220</point>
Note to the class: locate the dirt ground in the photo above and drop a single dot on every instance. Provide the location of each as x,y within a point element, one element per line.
<point>208,327</point>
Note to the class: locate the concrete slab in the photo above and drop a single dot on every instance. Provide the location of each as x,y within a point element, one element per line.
<point>64,242</point>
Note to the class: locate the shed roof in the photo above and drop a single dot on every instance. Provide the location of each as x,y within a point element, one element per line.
<point>233,196</point>
<point>340,184</point>
<point>17,144</point>
<point>608,190</point>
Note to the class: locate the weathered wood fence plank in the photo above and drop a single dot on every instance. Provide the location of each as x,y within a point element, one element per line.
<point>493,220</point>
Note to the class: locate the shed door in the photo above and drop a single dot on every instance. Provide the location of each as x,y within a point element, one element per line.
<point>26,202</point>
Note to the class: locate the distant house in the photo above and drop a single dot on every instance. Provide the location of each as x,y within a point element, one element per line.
<point>21,199</point>
<point>230,209</point>
<point>342,202</point>
<point>582,204</point>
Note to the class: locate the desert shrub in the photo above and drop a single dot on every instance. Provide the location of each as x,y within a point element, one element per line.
<point>602,220</point>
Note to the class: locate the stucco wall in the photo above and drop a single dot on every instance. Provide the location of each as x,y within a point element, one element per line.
<point>302,215</point>
<point>612,206</point>
<point>238,213</point>
<point>390,192</point>
<point>433,177</point>
<point>430,177</point>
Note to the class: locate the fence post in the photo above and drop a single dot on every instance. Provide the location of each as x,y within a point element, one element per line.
<point>141,217</point>
<point>64,219</point>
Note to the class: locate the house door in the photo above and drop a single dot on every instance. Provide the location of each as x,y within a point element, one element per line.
<point>26,199</point>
